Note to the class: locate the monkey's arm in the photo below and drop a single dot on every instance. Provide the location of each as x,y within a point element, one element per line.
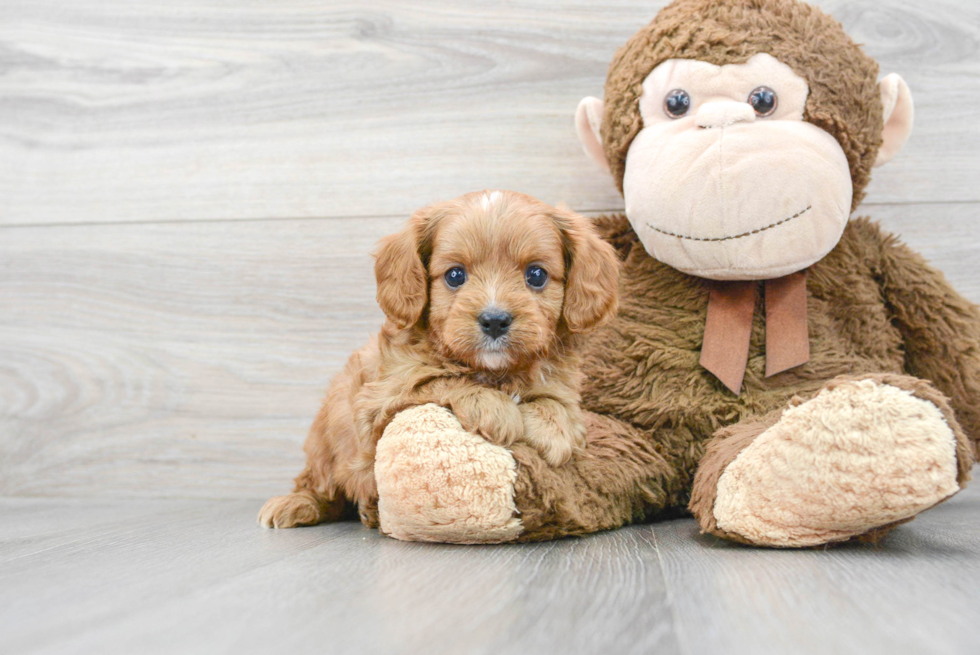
<point>940,328</point>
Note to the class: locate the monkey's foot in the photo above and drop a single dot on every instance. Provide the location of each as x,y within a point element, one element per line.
<point>859,458</point>
<point>437,482</point>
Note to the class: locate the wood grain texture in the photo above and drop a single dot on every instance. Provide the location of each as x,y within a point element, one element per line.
<point>140,358</point>
<point>214,109</point>
<point>914,593</point>
<point>169,576</point>
<point>188,359</point>
<point>197,577</point>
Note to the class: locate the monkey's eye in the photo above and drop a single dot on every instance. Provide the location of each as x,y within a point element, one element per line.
<point>677,103</point>
<point>763,101</point>
<point>536,276</point>
<point>455,277</point>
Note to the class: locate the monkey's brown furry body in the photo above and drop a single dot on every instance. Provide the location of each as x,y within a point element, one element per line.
<point>875,308</point>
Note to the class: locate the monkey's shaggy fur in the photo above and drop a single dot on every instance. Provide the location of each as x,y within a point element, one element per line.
<point>875,307</point>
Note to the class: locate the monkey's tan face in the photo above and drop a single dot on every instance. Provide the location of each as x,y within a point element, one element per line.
<point>726,180</point>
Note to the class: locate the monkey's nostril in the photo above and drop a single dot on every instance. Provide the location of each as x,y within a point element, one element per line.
<point>495,323</point>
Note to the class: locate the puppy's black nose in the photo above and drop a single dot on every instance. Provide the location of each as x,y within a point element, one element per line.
<point>495,323</point>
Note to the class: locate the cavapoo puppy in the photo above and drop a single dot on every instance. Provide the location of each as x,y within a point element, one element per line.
<point>484,297</point>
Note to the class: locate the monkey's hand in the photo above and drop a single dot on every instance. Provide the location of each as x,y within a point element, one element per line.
<point>554,429</point>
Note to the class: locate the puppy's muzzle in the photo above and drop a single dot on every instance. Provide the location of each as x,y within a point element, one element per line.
<point>495,323</point>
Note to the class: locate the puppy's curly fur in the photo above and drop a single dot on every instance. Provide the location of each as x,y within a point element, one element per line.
<point>519,385</point>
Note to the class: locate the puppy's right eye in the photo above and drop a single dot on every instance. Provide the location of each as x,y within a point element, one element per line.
<point>536,277</point>
<point>455,277</point>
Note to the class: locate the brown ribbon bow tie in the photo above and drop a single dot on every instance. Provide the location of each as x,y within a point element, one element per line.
<point>731,305</point>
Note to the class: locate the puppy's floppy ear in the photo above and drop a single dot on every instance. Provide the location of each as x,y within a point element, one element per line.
<point>403,282</point>
<point>592,278</point>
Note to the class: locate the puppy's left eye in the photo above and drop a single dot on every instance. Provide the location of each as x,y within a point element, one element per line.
<point>455,277</point>
<point>536,277</point>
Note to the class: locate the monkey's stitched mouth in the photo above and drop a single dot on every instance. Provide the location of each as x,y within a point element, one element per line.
<point>734,236</point>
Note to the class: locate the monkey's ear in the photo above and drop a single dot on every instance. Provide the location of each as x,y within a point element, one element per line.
<point>896,99</point>
<point>588,119</point>
<point>403,282</point>
<point>592,278</point>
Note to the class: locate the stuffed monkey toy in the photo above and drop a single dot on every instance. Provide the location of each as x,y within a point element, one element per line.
<point>790,375</point>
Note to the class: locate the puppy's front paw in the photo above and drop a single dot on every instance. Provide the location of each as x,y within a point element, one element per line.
<point>295,510</point>
<point>491,414</point>
<point>553,430</point>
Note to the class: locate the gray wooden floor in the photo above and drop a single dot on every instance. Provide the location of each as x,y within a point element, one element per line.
<point>189,191</point>
<point>195,576</point>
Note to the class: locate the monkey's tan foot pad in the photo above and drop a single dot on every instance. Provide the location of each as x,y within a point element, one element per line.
<point>858,456</point>
<point>437,482</point>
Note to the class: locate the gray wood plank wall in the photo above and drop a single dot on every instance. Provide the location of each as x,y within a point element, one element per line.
<point>189,192</point>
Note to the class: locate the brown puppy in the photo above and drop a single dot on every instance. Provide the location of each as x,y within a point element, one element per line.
<point>484,296</point>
